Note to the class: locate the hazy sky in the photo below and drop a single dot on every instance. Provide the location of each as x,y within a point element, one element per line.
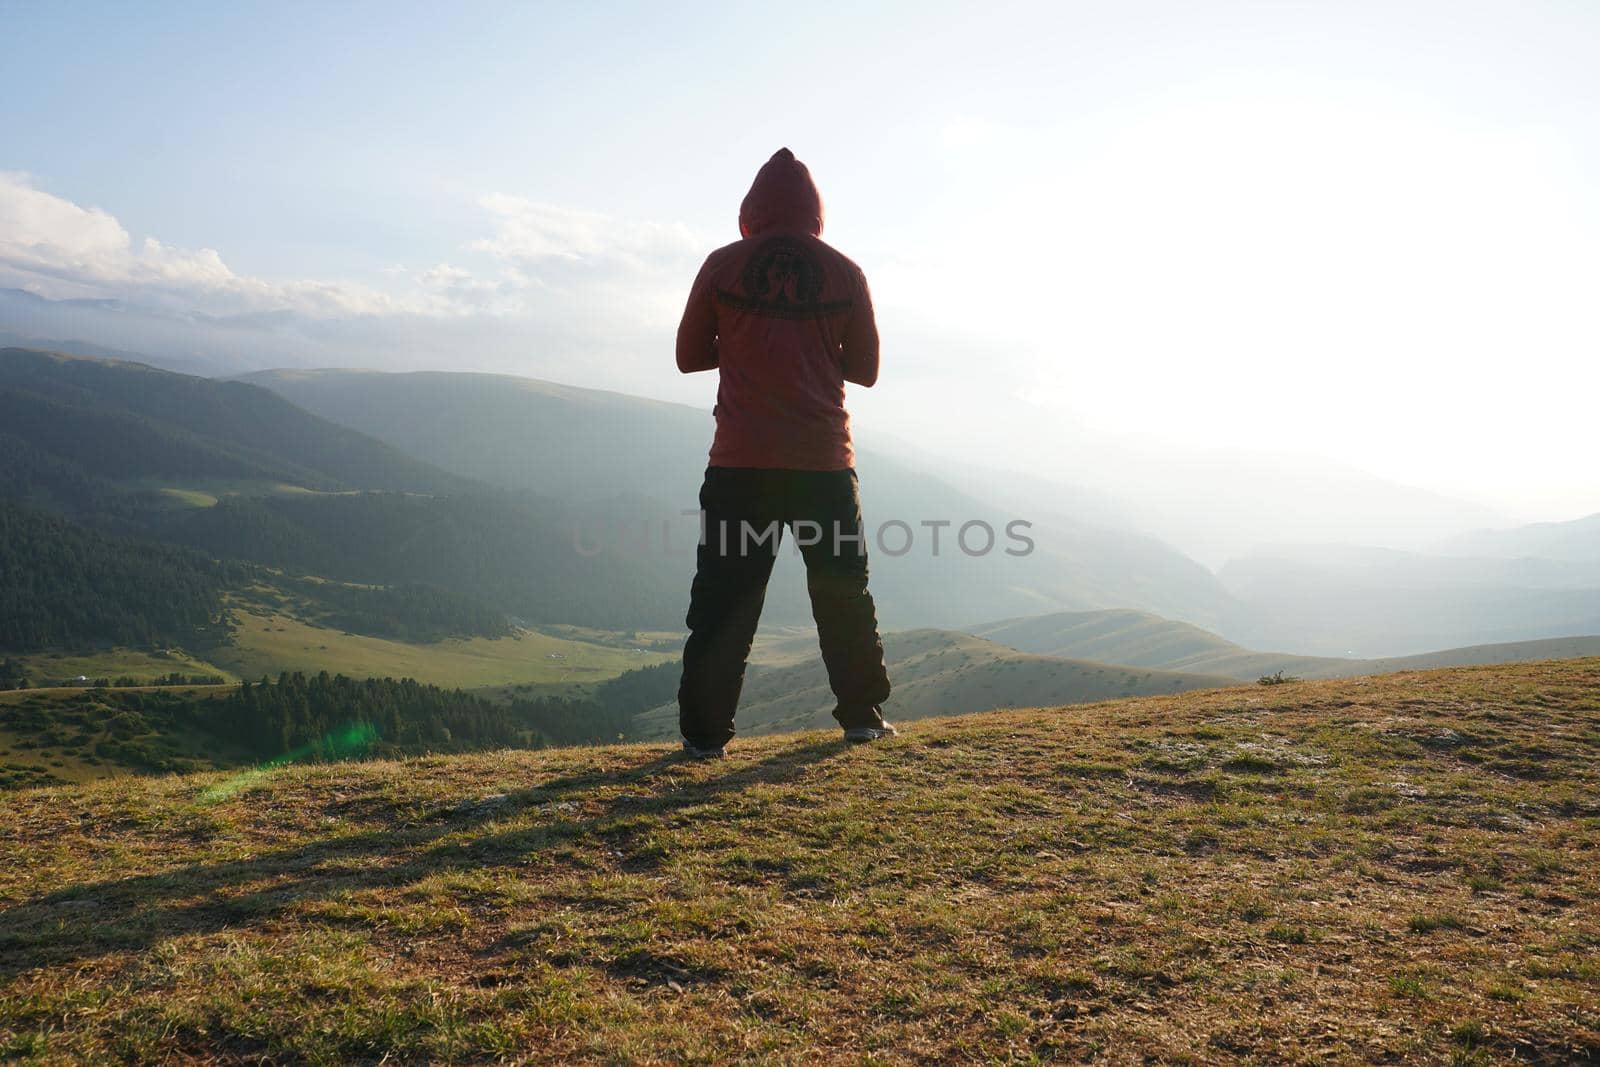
<point>1362,231</point>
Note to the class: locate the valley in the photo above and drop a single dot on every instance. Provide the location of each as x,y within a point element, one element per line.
<point>374,525</point>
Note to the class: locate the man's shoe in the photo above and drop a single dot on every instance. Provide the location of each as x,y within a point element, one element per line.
<point>859,735</point>
<point>693,751</point>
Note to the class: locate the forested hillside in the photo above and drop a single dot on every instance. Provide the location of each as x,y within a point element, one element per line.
<point>515,554</point>
<point>50,736</point>
<point>334,717</point>
<point>63,585</point>
<point>408,612</point>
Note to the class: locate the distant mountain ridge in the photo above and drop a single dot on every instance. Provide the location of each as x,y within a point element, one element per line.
<point>1209,505</point>
<point>122,420</point>
<point>1575,541</point>
<point>1339,600</point>
<point>1141,639</point>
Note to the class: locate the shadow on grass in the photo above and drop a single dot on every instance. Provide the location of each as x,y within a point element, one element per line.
<point>85,921</point>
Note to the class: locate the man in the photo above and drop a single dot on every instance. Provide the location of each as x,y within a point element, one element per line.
<point>785,320</point>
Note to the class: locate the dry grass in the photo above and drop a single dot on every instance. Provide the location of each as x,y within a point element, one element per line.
<point>1397,869</point>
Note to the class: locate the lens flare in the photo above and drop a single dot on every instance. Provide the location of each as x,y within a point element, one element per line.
<point>348,741</point>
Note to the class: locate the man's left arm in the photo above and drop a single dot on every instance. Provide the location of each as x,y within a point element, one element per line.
<point>697,332</point>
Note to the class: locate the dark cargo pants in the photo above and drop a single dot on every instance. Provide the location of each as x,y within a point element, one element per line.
<point>744,511</point>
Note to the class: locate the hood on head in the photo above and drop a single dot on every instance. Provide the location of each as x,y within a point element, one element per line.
<point>783,198</point>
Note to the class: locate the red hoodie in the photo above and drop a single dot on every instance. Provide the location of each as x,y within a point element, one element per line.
<point>786,320</point>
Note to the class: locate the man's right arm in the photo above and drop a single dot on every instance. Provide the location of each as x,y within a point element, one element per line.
<point>697,332</point>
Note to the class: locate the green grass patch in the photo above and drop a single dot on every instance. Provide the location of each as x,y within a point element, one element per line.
<point>267,643</point>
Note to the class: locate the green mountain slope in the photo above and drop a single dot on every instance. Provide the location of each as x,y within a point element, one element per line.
<point>117,421</point>
<point>1396,870</point>
<point>518,433</point>
<point>937,672</point>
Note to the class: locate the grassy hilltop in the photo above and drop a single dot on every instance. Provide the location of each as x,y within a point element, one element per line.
<point>1399,869</point>
<point>935,672</point>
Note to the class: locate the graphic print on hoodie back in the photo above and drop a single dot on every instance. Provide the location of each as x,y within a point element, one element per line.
<point>786,320</point>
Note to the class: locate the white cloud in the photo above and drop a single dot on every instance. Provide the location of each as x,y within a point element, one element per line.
<point>540,263</point>
<point>59,249</point>
<point>539,289</point>
<point>530,232</point>
<point>575,270</point>
<point>49,226</point>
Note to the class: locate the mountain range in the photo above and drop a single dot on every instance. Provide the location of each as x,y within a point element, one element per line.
<point>434,505</point>
<point>1350,600</point>
<point>1575,541</point>
<point>1140,639</point>
<point>1212,505</point>
<point>644,458</point>
<point>1338,600</point>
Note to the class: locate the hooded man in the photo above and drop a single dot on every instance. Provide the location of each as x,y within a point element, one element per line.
<point>785,320</point>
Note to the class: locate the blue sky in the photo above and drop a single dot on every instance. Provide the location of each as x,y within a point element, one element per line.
<point>1361,231</point>
<point>365,131</point>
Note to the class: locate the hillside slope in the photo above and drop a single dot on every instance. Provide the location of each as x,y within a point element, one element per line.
<point>1485,655</point>
<point>935,672</point>
<point>1140,639</point>
<point>119,421</point>
<point>519,433</point>
<point>1399,870</point>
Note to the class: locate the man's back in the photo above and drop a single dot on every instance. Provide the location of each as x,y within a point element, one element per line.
<point>787,320</point>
